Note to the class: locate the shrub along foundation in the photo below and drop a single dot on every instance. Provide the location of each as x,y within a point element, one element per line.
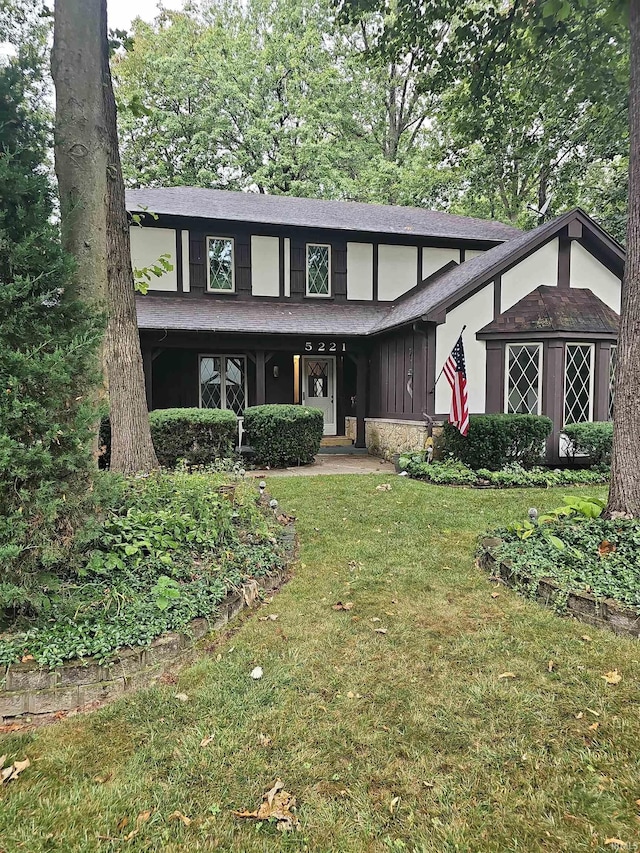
<point>601,612</point>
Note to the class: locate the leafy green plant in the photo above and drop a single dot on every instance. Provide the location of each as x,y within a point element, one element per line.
<point>593,439</point>
<point>166,590</point>
<point>494,441</point>
<point>512,475</point>
<point>284,435</point>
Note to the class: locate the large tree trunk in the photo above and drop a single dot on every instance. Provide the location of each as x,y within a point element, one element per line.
<point>131,446</point>
<point>624,496</point>
<point>81,142</point>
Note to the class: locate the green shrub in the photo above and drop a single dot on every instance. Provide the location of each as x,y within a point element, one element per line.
<point>284,435</point>
<point>494,441</point>
<point>452,473</point>
<point>199,436</point>
<point>591,439</point>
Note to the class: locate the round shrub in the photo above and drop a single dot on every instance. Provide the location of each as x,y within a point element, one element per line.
<point>494,441</point>
<point>199,436</point>
<point>591,439</point>
<point>284,435</point>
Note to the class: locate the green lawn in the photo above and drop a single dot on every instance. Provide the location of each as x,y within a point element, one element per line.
<point>405,741</point>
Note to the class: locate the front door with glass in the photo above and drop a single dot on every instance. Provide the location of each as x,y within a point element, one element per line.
<point>318,389</point>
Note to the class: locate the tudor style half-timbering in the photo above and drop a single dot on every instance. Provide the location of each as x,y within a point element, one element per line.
<point>354,308</point>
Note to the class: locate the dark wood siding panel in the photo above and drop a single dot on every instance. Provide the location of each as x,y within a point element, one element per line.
<point>242,246</point>
<point>197,267</point>
<point>392,360</point>
<point>339,270</point>
<point>298,272</point>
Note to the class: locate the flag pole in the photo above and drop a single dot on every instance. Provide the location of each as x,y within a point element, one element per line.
<point>442,371</point>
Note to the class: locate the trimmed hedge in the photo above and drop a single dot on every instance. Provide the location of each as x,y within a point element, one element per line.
<point>592,439</point>
<point>199,436</point>
<point>284,435</point>
<point>497,440</point>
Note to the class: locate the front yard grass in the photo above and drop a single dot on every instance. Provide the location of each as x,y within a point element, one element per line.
<point>408,740</point>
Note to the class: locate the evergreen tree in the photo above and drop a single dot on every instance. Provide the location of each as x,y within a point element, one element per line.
<point>48,351</point>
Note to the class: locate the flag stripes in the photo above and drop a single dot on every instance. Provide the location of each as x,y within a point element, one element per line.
<point>456,375</point>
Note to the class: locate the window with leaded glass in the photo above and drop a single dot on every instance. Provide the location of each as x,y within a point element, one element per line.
<point>317,378</point>
<point>223,382</point>
<point>612,378</point>
<point>220,256</point>
<point>524,379</point>
<point>578,383</point>
<point>318,269</point>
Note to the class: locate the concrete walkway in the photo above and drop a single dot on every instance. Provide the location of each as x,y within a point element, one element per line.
<point>331,464</point>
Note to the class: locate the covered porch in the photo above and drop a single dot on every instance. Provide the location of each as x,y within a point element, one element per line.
<point>233,372</point>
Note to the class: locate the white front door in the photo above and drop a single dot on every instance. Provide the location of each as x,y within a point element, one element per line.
<point>318,388</point>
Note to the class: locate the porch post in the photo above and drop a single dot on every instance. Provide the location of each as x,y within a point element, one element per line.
<point>147,366</point>
<point>362,382</point>
<point>261,378</point>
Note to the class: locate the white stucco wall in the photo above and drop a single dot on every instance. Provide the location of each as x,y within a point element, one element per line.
<point>147,244</point>
<point>186,279</point>
<point>587,271</point>
<point>475,312</point>
<point>397,270</point>
<point>265,266</point>
<point>287,266</point>
<point>472,253</point>
<point>540,268</point>
<point>359,270</point>
<point>434,259</point>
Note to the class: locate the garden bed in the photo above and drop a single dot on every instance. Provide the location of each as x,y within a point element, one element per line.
<point>169,555</point>
<point>512,476</point>
<point>587,567</point>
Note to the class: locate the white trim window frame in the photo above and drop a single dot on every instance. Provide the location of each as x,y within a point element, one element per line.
<point>507,376</point>
<point>575,345</point>
<point>231,242</point>
<point>314,294</point>
<point>223,390</point>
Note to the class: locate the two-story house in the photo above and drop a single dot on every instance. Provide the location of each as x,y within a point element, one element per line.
<point>354,308</point>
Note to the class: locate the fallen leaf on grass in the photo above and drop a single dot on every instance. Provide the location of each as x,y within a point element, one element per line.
<point>507,675</point>
<point>616,842</point>
<point>376,619</point>
<point>257,673</point>
<point>393,805</point>
<point>207,740</point>
<point>27,658</point>
<point>181,817</point>
<point>181,697</point>
<point>12,771</point>
<point>380,630</point>
<point>270,618</point>
<point>383,487</point>
<point>102,779</point>
<point>122,823</point>
<point>579,715</point>
<point>586,638</point>
<point>277,805</point>
<point>595,713</point>
<point>495,595</point>
<point>594,727</point>
<point>348,605</point>
<point>550,666</point>
<point>612,677</point>
<point>265,740</point>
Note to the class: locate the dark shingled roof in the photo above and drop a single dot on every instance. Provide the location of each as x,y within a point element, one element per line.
<point>204,314</point>
<point>314,213</point>
<point>549,309</point>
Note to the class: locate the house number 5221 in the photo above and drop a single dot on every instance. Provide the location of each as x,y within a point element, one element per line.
<point>324,346</point>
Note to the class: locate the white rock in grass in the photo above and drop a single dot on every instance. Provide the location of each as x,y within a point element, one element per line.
<point>257,673</point>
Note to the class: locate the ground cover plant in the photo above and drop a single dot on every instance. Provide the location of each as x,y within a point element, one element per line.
<point>576,548</point>
<point>454,473</point>
<point>433,712</point>
<point>162,550</point>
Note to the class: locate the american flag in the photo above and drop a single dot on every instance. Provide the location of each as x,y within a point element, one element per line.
<point>456,374</point>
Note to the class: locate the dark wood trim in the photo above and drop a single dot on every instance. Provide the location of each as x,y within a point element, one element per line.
<point>261,378</point>
<point>495,377</point>
<point>463,256</point>
<point>362,382</point>
<point>497,296</point>
<point>431,369</point>
<point>574,230</point>
<point>179,277</point>
<point>376,272</point>
<point>419,278</point>
<point>147,366</point>
<point>538,335</point>
<point>553,393</point>
<point>602,355</point>
<point>340,401</point>
<point>564,262</point>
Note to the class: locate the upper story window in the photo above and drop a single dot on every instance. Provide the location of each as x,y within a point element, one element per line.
<point>578,383</point>
<point>523,390</point>
<point>221,274</point>
<point>318,269</point>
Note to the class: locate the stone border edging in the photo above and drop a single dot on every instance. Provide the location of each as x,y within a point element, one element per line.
<point>30,689</point>
<point>601,612</point>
